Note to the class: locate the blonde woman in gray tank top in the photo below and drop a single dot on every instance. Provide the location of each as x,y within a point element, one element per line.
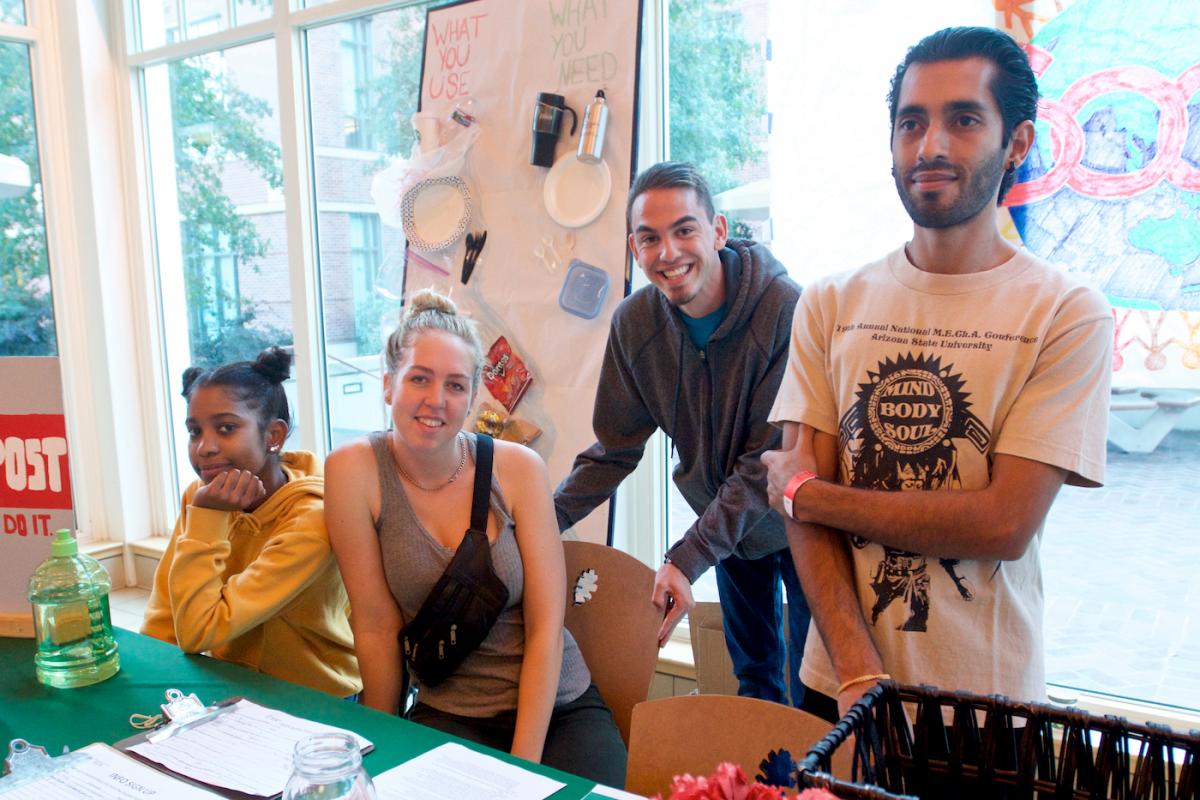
<point>397,504</point>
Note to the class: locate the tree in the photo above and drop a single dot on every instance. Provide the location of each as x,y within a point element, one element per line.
<point>392,95</point>
<point>716,90</point>
<point>394,90</point>
<point>215,125</point>
<point>26,313</point>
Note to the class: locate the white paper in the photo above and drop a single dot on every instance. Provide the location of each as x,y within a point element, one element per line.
<point>248,749</point>
<point>456,771</point>
<point>104,774</point>
<point>617,794</point>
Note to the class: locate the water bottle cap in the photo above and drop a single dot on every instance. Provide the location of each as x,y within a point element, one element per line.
<point>64,544</point>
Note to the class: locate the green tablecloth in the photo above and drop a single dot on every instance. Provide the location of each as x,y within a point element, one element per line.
<point>73,718</point>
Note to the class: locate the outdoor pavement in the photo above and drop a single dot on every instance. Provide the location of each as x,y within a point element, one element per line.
<point>1121,570</point>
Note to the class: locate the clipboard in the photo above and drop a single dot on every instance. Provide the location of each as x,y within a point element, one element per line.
<point>213,711</point>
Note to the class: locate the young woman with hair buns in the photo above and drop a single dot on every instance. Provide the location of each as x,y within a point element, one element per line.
<point>248,573</point>
<point>398,506</point>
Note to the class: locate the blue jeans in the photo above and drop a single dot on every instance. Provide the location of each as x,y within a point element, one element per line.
<point>752,610</point>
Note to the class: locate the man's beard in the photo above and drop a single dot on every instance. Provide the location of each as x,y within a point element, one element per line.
<point>978,193</point>
<point>683,300</point>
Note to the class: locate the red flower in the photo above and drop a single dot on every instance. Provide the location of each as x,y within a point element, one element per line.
<point>730,783</point>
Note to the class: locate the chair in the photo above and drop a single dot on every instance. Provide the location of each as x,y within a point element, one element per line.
<point>611,616</point>
<point>714,667</point>
<point>710,653</point>
<point>695,733</point>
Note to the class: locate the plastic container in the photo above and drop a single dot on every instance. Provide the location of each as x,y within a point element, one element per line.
<point>583,290</point>
<point>328,766</point>
<point>71,619</point>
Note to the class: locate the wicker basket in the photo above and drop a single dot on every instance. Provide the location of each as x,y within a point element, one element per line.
<point>993,748</point>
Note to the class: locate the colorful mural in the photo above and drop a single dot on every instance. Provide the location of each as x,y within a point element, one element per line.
<point>1112,189</point>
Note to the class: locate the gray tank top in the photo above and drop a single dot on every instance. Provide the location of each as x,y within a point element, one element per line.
<point>485,684</point>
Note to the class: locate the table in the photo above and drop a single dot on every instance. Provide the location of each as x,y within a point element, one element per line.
<point>73,718</point>
<point>1167,408</point>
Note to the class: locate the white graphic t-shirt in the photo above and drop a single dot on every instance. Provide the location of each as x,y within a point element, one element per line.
<point>923,377</point>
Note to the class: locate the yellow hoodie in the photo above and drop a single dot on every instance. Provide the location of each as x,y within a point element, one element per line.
<point>260,589</point>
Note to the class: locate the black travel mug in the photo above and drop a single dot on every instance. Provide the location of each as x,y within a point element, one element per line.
<point>547,122</point>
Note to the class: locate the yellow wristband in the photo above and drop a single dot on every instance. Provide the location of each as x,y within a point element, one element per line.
<point>883,676</point>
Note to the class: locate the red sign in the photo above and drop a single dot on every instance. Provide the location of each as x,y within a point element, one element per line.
<point>33,461</point>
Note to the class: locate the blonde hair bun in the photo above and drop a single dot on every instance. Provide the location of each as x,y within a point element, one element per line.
<point>428,310</point>
<point>430,300</point>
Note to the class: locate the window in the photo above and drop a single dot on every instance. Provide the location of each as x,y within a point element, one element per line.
<point>211,280</point>
<point>733,33</point>
<point>26,312</point>
<point>811,177</point>
<point>12,11</point>
<point>162,22</point>
<point>365,258</point>
<point>356,82</point>
<point>361,262</point>
<point>219,215</point>
<point>743,118</point>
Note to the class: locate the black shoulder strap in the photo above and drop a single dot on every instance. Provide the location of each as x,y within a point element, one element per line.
<point>483,482</point>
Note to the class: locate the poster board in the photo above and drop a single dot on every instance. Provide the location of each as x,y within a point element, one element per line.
<point>35,480</point>
<point>1111,191</point>
<point>501,54</point>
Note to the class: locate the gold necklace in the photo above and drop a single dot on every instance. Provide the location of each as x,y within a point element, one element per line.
<point>462,461</point>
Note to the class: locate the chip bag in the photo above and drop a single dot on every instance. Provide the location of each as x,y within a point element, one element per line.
<point>505,375</point>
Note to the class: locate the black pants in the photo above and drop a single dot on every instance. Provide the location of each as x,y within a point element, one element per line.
<point>582,738</point>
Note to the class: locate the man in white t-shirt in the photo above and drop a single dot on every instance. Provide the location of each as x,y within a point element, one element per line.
<point>934,403</point>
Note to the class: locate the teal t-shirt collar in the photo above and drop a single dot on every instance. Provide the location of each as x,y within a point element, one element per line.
<point>701,329</point>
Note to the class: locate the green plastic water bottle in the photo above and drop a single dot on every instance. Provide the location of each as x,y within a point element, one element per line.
<point>71,618</point>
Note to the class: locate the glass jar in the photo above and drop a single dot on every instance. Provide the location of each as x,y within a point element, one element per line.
<point>328,766</point>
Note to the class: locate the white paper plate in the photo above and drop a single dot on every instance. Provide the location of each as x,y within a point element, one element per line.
<point>435,213</point>
<point>575,191</point>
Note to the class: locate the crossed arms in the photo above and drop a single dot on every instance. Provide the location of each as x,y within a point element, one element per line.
<point>993,523</point>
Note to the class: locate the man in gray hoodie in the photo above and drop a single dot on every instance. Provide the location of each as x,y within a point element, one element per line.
<point>700,354</point>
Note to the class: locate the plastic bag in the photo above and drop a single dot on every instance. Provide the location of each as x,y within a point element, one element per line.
<point>389,186</point>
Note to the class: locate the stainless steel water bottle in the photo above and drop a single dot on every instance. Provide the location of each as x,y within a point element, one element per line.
<point>591,137</point>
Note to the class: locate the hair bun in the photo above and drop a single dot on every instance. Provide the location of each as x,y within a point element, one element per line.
<point>274,364</point>
<point>189,377</point>
<point>430,300</point>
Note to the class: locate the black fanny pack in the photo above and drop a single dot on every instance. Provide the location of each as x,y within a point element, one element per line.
<point>466,601</point>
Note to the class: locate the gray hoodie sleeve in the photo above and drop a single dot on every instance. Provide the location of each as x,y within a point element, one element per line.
<point>741,501</point>
<point>622,425</point>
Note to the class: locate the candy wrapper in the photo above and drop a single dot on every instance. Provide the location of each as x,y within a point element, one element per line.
<point>493,421</point>
<point>505,375</point>
<point>520,431</point>
<point>490,422</point>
